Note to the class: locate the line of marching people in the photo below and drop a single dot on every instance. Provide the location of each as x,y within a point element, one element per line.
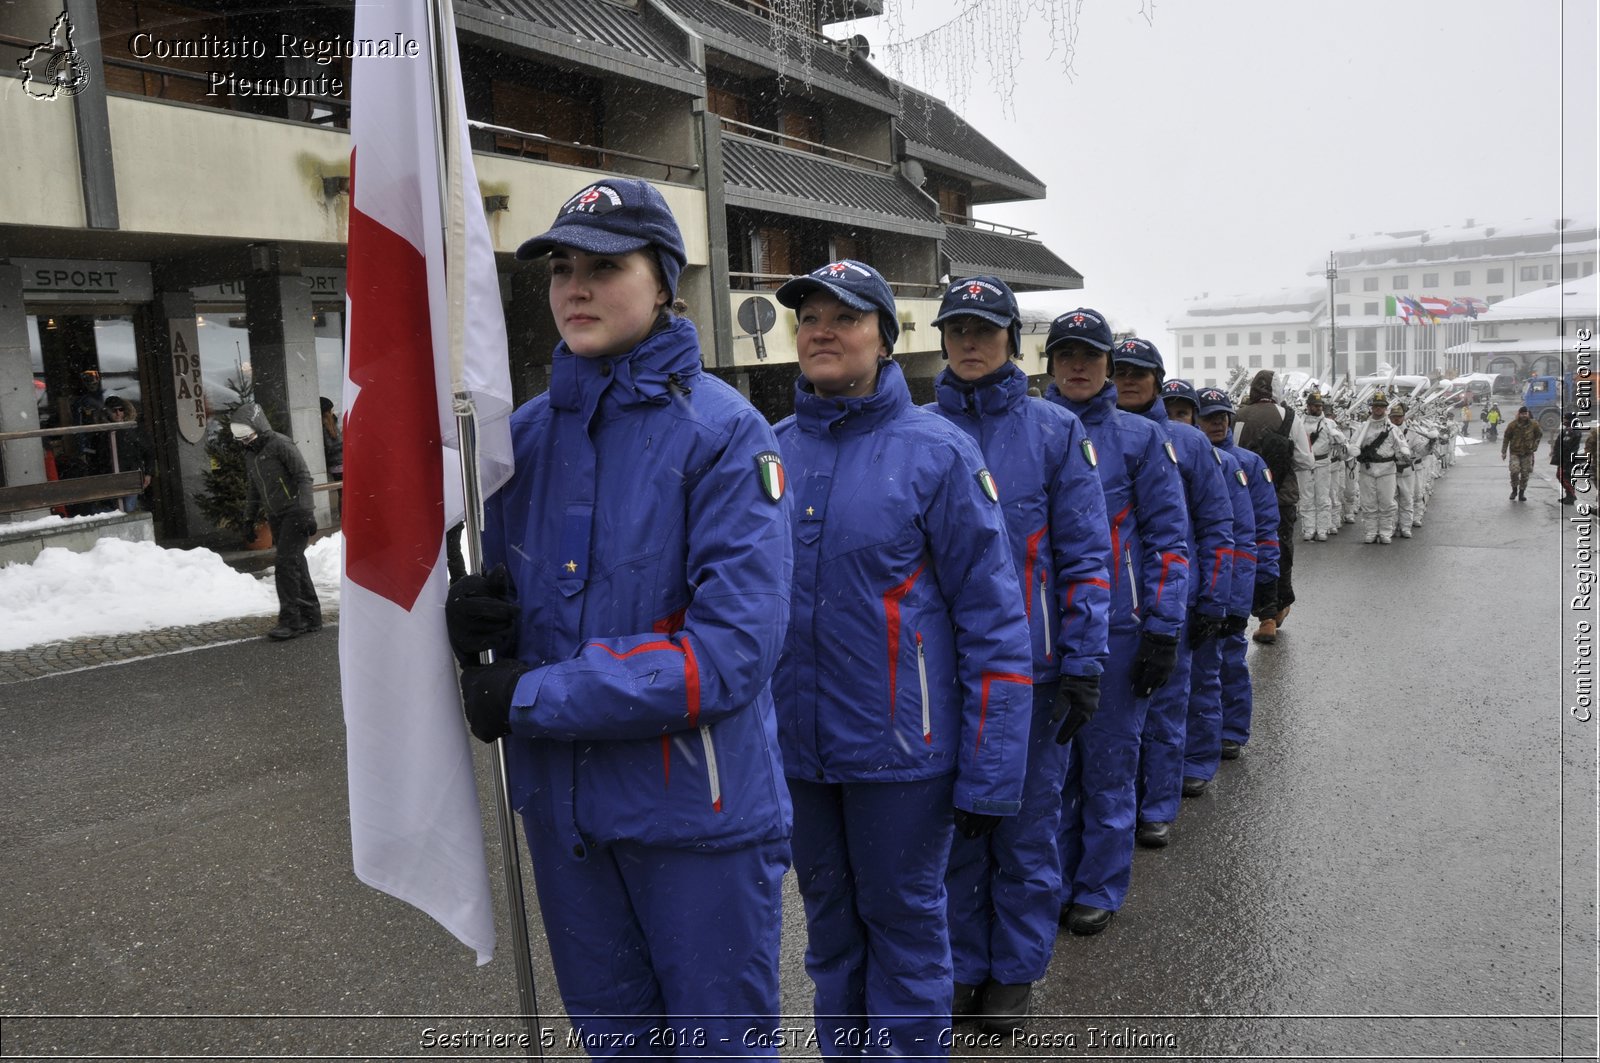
<point>949,663</point>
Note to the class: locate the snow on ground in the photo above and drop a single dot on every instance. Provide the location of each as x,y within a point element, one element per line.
<point>121,587</point>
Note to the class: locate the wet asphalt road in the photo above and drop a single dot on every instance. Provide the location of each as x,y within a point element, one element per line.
<point>1401,865</point>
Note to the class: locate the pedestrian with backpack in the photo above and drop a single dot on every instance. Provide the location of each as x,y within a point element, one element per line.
<point>1271,429</point>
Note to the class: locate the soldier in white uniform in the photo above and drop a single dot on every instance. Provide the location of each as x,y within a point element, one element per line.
<point>1322,491</point>
<point>1377,445</point>
<point>1407,488</point>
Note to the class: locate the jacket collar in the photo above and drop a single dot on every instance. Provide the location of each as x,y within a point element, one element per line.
<point>644,375</point>
<point>996,393</point>
<point>1098,408</point>
<point>816,415</point>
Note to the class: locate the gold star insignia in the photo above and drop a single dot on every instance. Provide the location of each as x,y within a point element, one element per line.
<point>810,512</point>
<point>571,566</point>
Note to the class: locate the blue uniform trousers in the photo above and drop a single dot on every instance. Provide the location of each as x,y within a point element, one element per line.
<point>870,858</point>
<point>1203,734</point>
<point>1161,749</point>
<point>1005,888</point>
<point>1237,701</point>
<point>663,952</point>
<point>1098,803</point>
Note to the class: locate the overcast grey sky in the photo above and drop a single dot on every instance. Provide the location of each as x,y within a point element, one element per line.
<point>1226,146</point>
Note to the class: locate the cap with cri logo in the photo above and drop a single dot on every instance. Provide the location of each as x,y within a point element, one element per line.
<point>1081,325</point>
<point>855,284</point>
<point>615,217</point>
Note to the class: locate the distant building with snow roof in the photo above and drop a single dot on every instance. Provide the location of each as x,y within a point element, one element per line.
<point>1537,332</point>
<point>1414,299</point>
<point>1453,274</point>
<point>1282,329</point>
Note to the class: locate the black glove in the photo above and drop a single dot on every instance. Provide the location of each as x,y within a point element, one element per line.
<point>479,615</point>
<point>1077,699</point>
<point>305,523</point>
<point>486,692</point>
<point>1153,664</point>
<point>975,824</point>
<point>1266,602</point>
<point>1235,625</point>
<point>1203,628</point>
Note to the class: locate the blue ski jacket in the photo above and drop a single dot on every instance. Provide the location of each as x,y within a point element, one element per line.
<point>907,655</point>
<point>1210,512</point>
<point>1145,509</point>
<point>1242,587</point>
<point>646,531</point>
<point>1264,500</point>
<point>1054,510</point>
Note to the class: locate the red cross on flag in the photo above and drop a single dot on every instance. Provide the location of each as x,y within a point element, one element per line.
<point>425,322</point>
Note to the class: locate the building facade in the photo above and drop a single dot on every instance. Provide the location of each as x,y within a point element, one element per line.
<point>177,222</point>
<point>1411,299</point>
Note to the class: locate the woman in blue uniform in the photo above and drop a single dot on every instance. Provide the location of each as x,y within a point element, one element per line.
<point>645,540</point>
<point>1149,597</point>
<point>1004,888</point>
<point>904,690</point>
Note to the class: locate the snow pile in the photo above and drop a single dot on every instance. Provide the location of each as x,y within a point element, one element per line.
<point>122,587</point>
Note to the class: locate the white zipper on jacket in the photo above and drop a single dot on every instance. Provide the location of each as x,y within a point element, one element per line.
<point>922,675</point>
<point>1044,613</point>
<point>713,776</point>
<point>1133,584</point>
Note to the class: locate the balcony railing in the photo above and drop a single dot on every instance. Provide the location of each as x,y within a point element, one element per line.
<point>986,226</point>
<point>749,282</point>
<point>784,140</point>
<point>593,157</point>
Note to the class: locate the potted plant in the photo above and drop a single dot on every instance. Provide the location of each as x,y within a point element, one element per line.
<point>223,492</point>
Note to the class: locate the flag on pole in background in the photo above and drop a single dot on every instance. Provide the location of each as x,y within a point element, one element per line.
<point>424,320</point>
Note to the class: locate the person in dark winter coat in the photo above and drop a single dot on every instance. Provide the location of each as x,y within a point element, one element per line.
<point>1150,576</point>
<point>132,453</point>
<point>1262,413</point>
<point>278,490</point>
<point>1003,888</point>
<point>639,612</point>
<point>905,689</point>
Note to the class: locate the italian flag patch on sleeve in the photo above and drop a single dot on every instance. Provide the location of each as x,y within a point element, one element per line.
<point>773,482</point>
<point>985,481</point>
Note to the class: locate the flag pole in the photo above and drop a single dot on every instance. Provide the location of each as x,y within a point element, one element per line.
<point>505,817</point>
<point>454,244</point>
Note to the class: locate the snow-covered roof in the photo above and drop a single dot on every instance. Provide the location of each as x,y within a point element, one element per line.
<point>1469,233</point>
<point>1039,309</point>
<point>1280,306</point>
<point>1570,299</point>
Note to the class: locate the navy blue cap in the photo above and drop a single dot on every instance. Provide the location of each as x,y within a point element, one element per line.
<point>1178,388</point>
<point>988,298</point>
<point>614,217</point>
<point>1213,400</point>
<point>1142,353</point>
<point>855,284</point>
<point>1083,325</point>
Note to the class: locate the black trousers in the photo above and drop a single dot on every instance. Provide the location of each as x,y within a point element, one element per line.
<point>298,607</point>
<point>1287,517</point>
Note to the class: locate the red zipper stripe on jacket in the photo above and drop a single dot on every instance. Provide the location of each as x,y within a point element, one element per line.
<point>1116,540</point>
<point>1027,568</point>
<point>1072,589</point>
<point>891,618</point>
<point>668,625</point>
<point>1166,563</point>
<point>1216,567</point>
<point>983,702</point>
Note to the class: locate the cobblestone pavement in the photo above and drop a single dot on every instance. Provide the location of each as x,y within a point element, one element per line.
<point>54,658</point>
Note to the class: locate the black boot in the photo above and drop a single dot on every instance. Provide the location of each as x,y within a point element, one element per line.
<point>1005,1007</point>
